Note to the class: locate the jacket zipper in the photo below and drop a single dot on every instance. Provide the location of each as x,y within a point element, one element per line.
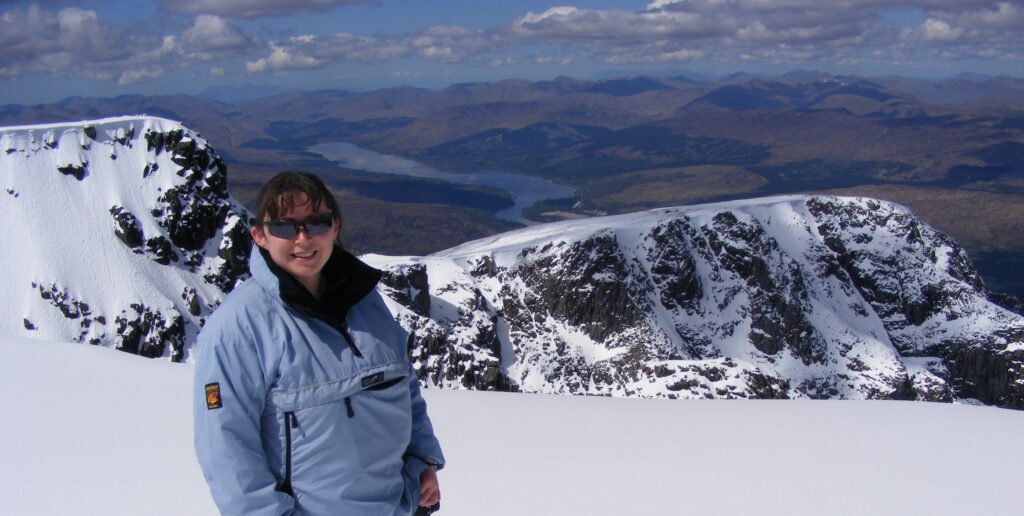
<point>348,407</point>
<point>290,422</point>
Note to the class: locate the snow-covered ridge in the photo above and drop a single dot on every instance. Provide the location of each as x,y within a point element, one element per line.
<point>122,232</point>
<point>794,296</point>
<point>118,231</point>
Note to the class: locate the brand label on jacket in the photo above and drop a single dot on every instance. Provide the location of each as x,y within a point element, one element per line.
<point>213,396</point>
<point>372,379</point>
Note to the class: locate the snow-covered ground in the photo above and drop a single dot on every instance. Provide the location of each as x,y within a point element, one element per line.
<point>91,430</point>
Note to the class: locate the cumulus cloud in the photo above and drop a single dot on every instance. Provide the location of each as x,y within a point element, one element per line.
<point>77,41</point>
<point>452,43</point>
<point>281,58</point>
<point>571,23</point>
<point>440,43</point>
<point>981,30</point>
<point>136,75</point>
<point>73,39</point>
<point>933,30</point>
<point>252,8</point>
<point>1003,15</point>
<point>845,31</point>
<point>211,34</point>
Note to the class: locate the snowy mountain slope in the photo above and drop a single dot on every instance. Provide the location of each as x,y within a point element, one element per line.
<point>118,231</point>
<point>790,297</point>
<point>82,443</point>
<point>122,232</point>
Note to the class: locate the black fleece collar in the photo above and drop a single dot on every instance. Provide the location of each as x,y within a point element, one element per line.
<point>346,279</point>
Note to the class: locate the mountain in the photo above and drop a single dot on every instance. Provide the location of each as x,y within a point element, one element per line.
<point>126,235</point>
<point>858,97</point>
<point>626,87</point>
<point>789,297</point>
<point>118,232</point>
<point>238,94</point>
<point>578,152</point>
<point>1000,94</point>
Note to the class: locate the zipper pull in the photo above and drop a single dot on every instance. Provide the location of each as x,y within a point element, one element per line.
<point>348,338</point>
<point>294,420</point>
<point>348,407</point>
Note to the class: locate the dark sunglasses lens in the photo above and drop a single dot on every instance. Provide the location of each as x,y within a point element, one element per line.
<point>314,226</point>
<point>286,230</point>
<point>318,226</point>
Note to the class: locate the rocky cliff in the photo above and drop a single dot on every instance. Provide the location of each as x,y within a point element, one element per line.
<point>794,297</point>
<point>118,232</point>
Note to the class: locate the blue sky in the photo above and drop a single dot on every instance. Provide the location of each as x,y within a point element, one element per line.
<point>59,48</point>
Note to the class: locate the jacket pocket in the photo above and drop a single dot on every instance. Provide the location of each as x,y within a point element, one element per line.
<point>386,384</point>
<point>373,387</point>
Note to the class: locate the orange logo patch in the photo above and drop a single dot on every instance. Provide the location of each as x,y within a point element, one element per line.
<point>213,396</point>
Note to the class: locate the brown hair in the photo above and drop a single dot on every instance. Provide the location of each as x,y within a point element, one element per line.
<point>278,196</point>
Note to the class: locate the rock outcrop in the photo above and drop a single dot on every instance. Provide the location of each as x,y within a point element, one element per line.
<point>795,297</point>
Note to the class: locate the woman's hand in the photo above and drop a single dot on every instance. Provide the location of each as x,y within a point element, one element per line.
<point>430,491</point>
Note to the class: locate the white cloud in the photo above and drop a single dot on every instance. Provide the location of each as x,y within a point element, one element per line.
<point>216,72</point>
<point>70,40</point>
<point>570,23</point>
<point>78,41</point>
<point>211,33</point>
<point>680,55</point>
<point>133,76</point>
<point>452,43</point>
<point>441,43</point>
<point>282,59</point>
<point>932,31</point>
<point>405,74</point>
<point>1003,15</point>
<point>773,30</point>
<point>260,65</point>
<point>74,19</point>
<point>437,52</point>
<point>252,8</point>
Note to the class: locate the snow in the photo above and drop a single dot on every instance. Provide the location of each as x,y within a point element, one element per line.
<point>856,345</point>
<point>59,229</point>
<point>95,431</point>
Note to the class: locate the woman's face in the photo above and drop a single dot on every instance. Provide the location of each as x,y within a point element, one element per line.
<point>303,255</point>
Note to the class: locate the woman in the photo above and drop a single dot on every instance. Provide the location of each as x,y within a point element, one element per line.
<point>306,402</point>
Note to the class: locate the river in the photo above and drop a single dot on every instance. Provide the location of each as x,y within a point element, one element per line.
<point>524,190</point>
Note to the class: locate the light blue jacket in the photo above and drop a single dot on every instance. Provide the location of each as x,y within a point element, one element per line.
<point>290,419</point>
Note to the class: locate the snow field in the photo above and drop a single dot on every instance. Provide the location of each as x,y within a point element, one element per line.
<point>96,431</point>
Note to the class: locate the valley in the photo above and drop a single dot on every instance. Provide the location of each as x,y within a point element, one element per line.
<point>951,150</point>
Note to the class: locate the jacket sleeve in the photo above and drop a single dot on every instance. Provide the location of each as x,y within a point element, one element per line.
<point>424,445</point>
<point>230,392</point>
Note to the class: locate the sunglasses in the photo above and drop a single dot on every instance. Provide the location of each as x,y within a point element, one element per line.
<point>288,229</point>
